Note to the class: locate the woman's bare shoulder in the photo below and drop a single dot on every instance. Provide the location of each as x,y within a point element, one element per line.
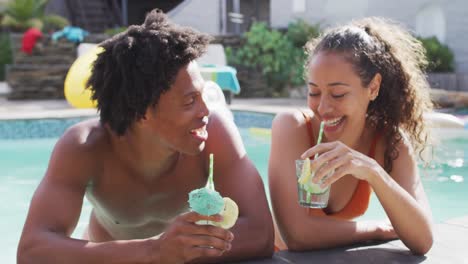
<point>291,119</point>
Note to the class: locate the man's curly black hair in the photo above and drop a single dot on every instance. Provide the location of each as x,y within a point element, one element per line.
<point>138,65</point>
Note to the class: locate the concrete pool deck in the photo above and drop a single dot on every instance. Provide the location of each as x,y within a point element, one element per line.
<point>26,109</point>
<point>60,108</point>
<point>451,236</point>
<point>450,240</point>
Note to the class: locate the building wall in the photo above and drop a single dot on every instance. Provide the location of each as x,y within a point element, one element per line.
<point>447,19</point>
<point>203,15</point>
<point>252,11</point>
<point>457,32</point>
<point>207,16</point>
<point>57,7</point>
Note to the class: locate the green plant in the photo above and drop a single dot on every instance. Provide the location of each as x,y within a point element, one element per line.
<point>5,53</point>
<point>440,57</point>
<point>19,15</point>
<point>267,51</point>
<point>279,57</point>
<point>54,23</point>
<point>299,32</point>
<point>113,31</point>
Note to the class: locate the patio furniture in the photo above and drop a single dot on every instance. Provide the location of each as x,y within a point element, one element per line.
<point>224,76</point>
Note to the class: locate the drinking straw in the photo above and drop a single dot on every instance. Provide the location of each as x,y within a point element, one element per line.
<point>319,140</point>
<point>210,175</point>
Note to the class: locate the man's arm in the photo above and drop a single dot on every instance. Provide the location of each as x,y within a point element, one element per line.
<point>235,176</point>
<point>55,210</point>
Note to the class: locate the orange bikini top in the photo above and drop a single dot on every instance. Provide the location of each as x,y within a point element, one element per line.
<point>359,202</point>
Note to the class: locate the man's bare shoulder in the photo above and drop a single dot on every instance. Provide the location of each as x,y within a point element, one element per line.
<point>88,135</point>
<point>224,139</point>
<point>80,150</point>
<point>221,128</point>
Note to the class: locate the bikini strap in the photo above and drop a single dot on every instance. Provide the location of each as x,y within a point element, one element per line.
<point>374,144</point>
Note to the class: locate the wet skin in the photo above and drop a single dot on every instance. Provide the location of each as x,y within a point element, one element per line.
<point>138,184</point>
<point>125,207</point>
<point>338,98</point>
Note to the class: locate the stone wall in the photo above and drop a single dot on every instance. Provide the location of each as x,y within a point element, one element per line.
<point>42,74</point>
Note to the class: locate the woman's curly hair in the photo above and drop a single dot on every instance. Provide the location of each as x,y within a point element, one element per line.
<point>140,64</point>
<point>376,45</point>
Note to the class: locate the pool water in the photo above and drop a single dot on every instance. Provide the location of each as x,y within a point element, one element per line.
<point>24,161</point>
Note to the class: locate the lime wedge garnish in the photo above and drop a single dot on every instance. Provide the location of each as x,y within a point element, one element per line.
<point>314,188</point>
<point>230,214</point>
<point>306,181</point>
<point>305,173</point>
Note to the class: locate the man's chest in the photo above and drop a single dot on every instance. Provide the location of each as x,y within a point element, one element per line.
<point>127,201</point>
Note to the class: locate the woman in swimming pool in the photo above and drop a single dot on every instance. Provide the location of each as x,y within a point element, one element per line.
<point>366,83</point>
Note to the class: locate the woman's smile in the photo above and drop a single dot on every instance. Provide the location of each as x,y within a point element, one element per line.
<point>333,125</point>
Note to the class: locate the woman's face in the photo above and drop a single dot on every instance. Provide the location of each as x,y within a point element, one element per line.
<point>337,97</point>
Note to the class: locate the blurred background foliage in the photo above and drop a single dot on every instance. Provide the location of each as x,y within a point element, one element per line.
<point>277,55</point>
<point>6,56</point>
<point>113,31</point>
<point>440,57</point>
<point>19,15</point>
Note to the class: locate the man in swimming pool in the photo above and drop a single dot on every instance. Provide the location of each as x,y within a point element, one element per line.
<point>138,162</point>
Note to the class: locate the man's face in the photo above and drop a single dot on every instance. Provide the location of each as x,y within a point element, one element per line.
<point>181,115</point>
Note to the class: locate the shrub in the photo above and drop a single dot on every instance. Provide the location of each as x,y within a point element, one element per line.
<point>114,31</point>
<point>267,51</point>
<point>440,56</point>
<point>5,53</point>
<point>19,15</point>
<point>299,32</point>
<point>54,23</point>
<point>279,57</point>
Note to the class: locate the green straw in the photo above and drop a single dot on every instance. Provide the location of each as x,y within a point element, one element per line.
<point>210,175</point>
<point>319,140</point>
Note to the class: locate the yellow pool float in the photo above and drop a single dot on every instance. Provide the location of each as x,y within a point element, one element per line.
<point>75,83</point>
<point>260,132</point>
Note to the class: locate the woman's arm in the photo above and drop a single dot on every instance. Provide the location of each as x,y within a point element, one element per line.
<point>404,200</point>
<point>401,194</point>
<point>299,230</point>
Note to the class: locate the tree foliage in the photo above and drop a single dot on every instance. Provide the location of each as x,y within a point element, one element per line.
<point>19,15</point>
<point>440,56</point>
<point>278,56</point>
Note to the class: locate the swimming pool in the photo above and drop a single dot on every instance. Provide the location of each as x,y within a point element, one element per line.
<point>25,147</point>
